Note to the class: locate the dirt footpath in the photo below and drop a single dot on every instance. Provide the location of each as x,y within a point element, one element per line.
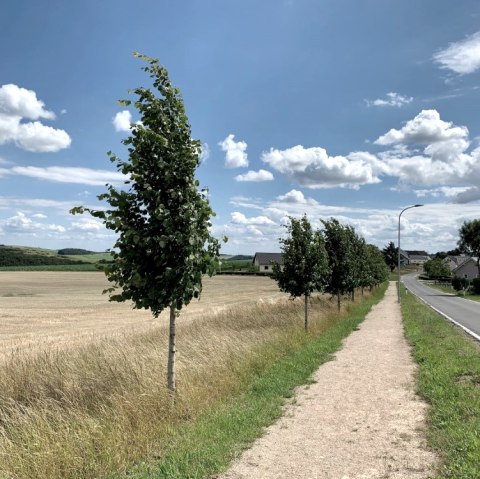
<point>359,420</point>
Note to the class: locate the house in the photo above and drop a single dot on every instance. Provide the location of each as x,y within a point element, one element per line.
<point>468,269</point>
<point>454,262</point>
<point>415,257</point>
<point>264,261</point>
<point>403,257</point>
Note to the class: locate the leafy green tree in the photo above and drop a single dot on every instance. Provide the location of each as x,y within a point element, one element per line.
<point>436,268</point>
<point>305,263</point>
<point>374,270</point>
<point>390,253</point>
<point>469,241</point>
<point>340,258</point>
<point>162,220</point>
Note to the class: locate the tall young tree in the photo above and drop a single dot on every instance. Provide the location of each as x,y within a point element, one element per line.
<point>162,220</point>
<point>340,258</point>
<point>390,253</point>
<point>305,263</point>
<point>469,241</point>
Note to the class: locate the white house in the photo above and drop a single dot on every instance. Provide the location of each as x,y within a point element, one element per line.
<point>264,261</point>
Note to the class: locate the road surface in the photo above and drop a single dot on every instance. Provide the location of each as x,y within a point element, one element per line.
<point>463,312</point>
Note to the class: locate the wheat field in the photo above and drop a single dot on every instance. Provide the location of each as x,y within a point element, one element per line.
<point>57,309</point>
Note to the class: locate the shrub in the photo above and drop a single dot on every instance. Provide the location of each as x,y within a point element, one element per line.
<point>476,285</point>
<point>460,284</point>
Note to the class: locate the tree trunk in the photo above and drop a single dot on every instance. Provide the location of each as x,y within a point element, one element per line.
<point>306,312</point>
<point>353,294</point>
<point>171,354</point>
<point>362,291</point>
<point>338,301</point>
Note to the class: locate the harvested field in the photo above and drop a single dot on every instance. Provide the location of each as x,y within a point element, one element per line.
<point>44,309</point>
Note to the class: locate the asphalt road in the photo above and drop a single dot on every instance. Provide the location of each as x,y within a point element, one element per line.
<point>463,312</point>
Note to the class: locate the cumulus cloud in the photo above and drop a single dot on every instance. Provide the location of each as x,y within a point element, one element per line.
<point>122,121</point>
<point>461,57</point>
<point>235,152</point>
<point>240,218</point>
<point>314,168</point>
<point>60,174</point>
<point>18,104</point>
<point>392,99</point>
<point>260,175</point>
<point>21,223</point>
<point>425,128</point>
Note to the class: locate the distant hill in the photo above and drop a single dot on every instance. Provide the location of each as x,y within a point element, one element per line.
<point>18,256</point>
<point>240,257</point>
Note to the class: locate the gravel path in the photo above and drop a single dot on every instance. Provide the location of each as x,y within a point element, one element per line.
<point>360,419</point>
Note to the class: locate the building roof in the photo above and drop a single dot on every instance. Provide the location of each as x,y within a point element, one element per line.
<point>416,253</point>
<point>469,258</point>
<point>267,258</point>
<point>458,260</point>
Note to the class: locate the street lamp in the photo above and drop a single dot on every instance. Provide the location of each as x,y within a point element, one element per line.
<point>405,209</point>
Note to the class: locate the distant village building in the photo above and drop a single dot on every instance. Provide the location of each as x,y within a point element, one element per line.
<point>264,261</point>
<point>414,257</point>
<point>468,269</point>
<point>454,262</point>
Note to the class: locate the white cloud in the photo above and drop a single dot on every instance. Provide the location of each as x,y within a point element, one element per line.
<point>392,99</point>
<point>20,102</point>
<point>240,218</point>
<point>122,121</point>
<point>260,175</point>
<point>205,153</point>
<point>60,174</point>
<point>37,137</point>
<point>236,155</point>
<point>17,104</point>
<point>88,224</point>
<point>461,57</point>
<point>21,223</point>
<point>313,168</point>
<point>425,128</point>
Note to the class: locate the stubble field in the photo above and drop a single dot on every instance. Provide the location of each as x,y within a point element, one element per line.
<point>44,309</point>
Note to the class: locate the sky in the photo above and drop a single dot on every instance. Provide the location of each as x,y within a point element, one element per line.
<point>329,108</point>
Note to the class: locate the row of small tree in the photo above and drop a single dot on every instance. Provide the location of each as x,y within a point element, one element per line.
<point>334,260</point>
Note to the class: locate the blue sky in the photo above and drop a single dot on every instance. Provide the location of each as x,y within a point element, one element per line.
<point>330,108</point>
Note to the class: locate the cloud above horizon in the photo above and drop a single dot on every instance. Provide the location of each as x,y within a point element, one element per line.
<point>392,99</point>
<point>255,176</point>
<point>235,152</point>
<point>461,57</point>
<point>18,104</point>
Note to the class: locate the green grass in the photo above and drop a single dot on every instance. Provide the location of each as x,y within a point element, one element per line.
<point>207,445</point>
<point>449,379</point>
<point>90,258</point>
<point>52,267</point>
<point>449,289</point>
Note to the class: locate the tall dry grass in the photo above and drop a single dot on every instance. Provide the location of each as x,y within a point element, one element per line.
<point>94,409</point>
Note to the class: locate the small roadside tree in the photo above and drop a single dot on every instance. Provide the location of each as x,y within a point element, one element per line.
<point>340,258</point>
<point>162,220</point>
<point>436,269</point>
<point>390,253</point>
<point>305,265</point>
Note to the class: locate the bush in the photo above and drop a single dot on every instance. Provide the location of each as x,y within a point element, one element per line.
<point>476,286</point>
<point>460,284</point>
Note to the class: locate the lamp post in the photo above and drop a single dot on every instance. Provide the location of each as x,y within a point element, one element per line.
<point>399,216</point>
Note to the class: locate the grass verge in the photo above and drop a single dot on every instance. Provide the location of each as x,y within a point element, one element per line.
<point>207,445</point>
<point>449,379</point>
<point>449,289</point>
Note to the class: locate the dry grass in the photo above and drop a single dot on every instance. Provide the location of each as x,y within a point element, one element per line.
<point>99,407</point>
<point>60,309</point>
<point>83,393</point>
